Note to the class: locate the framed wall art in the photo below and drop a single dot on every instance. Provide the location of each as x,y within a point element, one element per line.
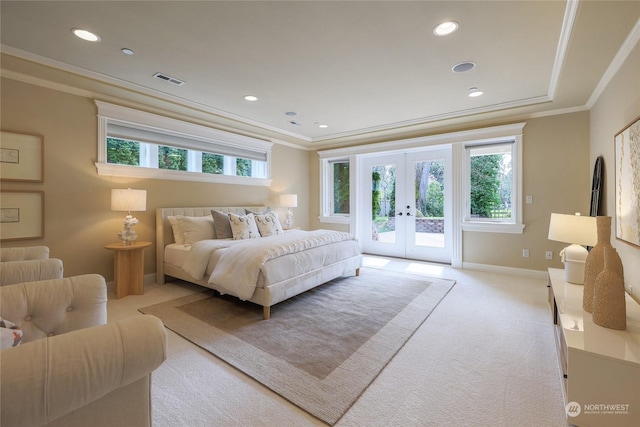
<point>627,183</point>
<point>21,215</point>
<point>21,157</point>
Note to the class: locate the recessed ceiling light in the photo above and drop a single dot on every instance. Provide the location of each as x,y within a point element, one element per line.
<point>126,51</point>
<point>291,113</point>
<point>322,126</point>
<point>85,35</point>
<point>445,28</point>
<point>474,92</point>
<point>250,98</point>
<point>463,67</point>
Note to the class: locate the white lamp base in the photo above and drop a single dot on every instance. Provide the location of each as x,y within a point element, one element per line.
<point>128,235</point>
<point>574,257</point>
<point>288,222</point>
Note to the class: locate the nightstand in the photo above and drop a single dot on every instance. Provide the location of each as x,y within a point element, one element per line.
<point>129,268</point>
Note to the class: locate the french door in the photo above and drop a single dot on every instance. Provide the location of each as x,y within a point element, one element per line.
<point>407,205</point>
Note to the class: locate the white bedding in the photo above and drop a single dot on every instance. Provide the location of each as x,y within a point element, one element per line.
<point>238,266</point>
<point>176,254</point>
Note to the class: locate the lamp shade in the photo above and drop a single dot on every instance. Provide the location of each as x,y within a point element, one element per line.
<point>576,229</point>
<point>128,200</point>
<point>289,200</point>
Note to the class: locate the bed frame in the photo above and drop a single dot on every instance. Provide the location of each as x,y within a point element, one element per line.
<point>267,296</point>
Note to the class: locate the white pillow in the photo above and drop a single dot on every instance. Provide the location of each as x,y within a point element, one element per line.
<point>269,224</point>
<point>178,234</point>
<point>243,227</point>
<point>196,228</point>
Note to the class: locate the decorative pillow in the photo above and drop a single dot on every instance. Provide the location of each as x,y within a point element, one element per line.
<point>243,227</point>
<point>10,334</point>
<point>269,224</point>
<point>222,225</point>
<point>196,228</point>
<point>178,234</point>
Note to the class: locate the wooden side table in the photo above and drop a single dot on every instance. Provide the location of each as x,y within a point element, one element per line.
<point>129,268</point>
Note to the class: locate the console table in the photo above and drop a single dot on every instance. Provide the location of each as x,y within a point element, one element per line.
<point>600,366</point>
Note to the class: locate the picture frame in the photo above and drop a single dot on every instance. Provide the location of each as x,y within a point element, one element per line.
<point>21,157</point>
<point>21,215</point>
<point>627,183</point>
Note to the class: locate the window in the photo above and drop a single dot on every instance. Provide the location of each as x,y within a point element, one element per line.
<point>136,144</point>
<point>341,191</point>
<point>492,186</point>
<point>335,190</point>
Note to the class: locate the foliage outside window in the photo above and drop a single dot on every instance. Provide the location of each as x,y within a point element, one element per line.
<point>123,152</point>
<point>127,152</point>
<point>491,183</point>
<point>341,191</point>
<point>336,190</point>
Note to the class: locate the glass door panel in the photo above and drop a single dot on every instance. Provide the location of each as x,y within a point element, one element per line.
<point>406,199</point>
<point>383,233</point>
<point>429,201</point>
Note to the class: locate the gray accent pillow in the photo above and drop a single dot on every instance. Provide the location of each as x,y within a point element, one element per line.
<point>222,225</point>
<point>249,211</point>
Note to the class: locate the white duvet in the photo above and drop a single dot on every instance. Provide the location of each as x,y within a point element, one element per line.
<point>238,267</point>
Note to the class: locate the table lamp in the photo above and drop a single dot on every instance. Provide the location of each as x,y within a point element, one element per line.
<point>128,200</point>
<point>577,230</point>
<point>289,201</point>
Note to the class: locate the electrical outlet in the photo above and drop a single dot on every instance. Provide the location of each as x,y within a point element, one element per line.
<point>525,253</point>
<point>549,254</point>
<point>529,200</point>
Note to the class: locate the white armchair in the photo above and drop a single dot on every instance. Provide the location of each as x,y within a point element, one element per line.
<point>28,264</point>
<point>68,371</point>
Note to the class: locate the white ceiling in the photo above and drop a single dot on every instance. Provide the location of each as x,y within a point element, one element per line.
<point>360,67</point>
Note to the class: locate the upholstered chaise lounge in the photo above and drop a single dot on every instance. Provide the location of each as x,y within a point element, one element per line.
<point>73,369</point>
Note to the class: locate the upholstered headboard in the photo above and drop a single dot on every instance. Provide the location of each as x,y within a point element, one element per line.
<point>164,232</point>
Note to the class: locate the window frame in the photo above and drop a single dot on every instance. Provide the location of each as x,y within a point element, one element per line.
<point>513,225</point>
<point>185,131</point>
<point>327,214</point>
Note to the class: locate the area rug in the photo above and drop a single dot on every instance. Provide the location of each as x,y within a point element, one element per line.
<point>321,349</point>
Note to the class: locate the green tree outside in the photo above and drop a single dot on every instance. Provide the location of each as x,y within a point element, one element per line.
<point>434,200</point>
<point>485,185</point>
<point>212,163</point>
<point>123,152</point>
<point>172,158</point>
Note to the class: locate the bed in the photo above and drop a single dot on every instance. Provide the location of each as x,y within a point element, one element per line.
<point>298,261</point>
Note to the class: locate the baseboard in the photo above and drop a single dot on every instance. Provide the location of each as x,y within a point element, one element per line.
<point>149,279</point>
<point>511,271</point>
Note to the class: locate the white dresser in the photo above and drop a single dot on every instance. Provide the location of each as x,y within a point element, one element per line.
<point>601,366</point>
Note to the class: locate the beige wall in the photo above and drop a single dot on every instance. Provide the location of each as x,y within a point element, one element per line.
<point>78,220</point>
<point>618,106</point>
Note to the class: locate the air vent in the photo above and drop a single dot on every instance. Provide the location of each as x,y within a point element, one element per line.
<point>169,79</point>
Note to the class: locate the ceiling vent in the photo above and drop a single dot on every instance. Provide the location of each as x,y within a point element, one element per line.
<point>169,79</point>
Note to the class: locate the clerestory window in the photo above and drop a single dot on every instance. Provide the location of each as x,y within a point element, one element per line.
<point>137,144</point>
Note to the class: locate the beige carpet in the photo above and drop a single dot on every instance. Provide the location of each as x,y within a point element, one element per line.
<point>320,350</point>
